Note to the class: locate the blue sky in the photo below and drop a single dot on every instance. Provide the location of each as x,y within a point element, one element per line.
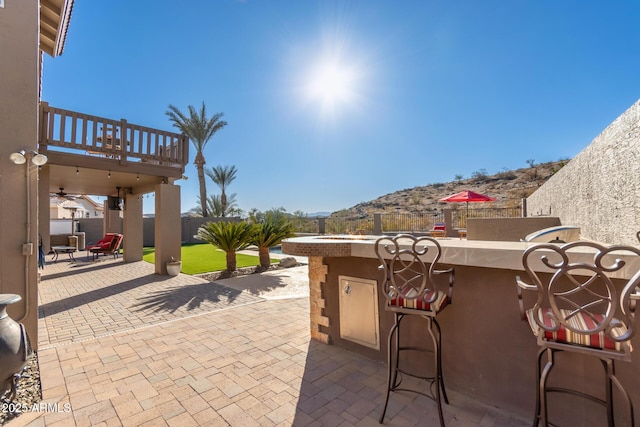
<point>332,103</point>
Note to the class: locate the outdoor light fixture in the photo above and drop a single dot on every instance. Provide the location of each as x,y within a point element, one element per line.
<point>20,157</point>
<point>39,159</point>
<point>109,176</point>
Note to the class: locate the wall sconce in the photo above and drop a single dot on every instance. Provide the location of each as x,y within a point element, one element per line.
<point>20,157</point>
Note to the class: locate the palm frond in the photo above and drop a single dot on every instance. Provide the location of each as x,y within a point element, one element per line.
<point>272,231</point>
<point>198,128</point>
<point>227,236</point>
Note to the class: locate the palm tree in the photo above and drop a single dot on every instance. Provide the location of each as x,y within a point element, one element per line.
<point>214,202</point>
<point>229,237</point>
<point>223,176</point>
<point>270,232</point>
<point>199,129</point>
<point>214,206</point>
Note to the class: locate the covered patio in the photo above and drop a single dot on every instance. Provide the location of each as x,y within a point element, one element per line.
<point>125,346</point>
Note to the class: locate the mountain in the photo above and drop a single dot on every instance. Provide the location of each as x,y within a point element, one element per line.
<point>508,187</point>
<point>318,214</point>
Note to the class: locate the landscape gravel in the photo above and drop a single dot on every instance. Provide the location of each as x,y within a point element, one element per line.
<point>28,396</point>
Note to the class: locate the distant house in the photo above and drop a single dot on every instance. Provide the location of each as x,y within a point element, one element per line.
<point>84,206</point>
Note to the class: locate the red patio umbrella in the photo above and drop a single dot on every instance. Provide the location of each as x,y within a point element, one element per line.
<point>467,196</point>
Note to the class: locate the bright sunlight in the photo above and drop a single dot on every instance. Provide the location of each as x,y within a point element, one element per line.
<point>331,83</point>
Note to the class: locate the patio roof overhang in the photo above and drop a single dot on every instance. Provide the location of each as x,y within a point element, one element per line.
<point>81,174</point>
<point>54,22</point>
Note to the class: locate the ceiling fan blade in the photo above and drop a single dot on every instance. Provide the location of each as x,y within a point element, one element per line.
<point>64,195</point>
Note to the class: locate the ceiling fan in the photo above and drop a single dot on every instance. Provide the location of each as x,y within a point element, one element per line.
<point>64,195</point>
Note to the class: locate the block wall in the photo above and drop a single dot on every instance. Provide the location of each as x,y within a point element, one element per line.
<point>599,190</point>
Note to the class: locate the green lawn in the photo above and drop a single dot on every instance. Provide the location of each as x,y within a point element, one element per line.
<point>204,258</point>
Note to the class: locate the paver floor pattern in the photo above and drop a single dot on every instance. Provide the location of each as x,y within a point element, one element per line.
<point>86,299</point>
<point>248,365</point>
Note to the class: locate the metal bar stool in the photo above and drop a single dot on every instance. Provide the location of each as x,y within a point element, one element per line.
<point>578,309</point>
<point>410,289</point>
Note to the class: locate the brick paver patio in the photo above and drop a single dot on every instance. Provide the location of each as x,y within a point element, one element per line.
<point>122,346</point>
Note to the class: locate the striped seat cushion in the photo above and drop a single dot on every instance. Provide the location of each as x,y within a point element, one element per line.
<point>411,300</point>
<point>579,321</point>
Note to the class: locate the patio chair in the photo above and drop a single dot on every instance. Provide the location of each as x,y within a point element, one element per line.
<point>439,230</point>
<point>103,243</point>
<point>109,244</point>
<point>410,290</point>
<point>579,309</point>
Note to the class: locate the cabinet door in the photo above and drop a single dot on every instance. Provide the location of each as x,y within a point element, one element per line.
<point>359,311</point>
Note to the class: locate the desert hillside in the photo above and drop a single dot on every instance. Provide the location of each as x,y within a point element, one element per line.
<point>507,187</point>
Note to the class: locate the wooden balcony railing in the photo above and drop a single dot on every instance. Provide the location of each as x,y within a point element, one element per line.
<point>71,131</point>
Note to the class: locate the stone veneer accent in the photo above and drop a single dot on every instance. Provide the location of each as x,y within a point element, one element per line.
<point>316,251</point>
<point>317,276</point>
<point>310,249</point>
<point>599,190</point>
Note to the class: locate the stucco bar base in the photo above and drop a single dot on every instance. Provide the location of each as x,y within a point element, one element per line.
<point>488,353</point>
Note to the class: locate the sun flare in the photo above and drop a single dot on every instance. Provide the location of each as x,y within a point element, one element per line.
<point>332,83</point>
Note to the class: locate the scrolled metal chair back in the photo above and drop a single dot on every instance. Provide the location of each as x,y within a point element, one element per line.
<point>406,274</point>
<point>581,295</point>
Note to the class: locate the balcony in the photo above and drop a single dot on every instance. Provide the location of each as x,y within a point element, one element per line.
<point>93,155</point>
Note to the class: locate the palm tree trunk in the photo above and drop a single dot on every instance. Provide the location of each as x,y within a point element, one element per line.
<point>265,259</point>
<point>231,261</point>
<point>223,202</point>
<point>199,162</point>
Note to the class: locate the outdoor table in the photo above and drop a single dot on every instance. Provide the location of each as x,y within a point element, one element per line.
<point>63,250</point>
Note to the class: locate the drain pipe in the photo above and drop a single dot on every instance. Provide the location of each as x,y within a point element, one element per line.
<point>25,251</point>
<point>27,157</point>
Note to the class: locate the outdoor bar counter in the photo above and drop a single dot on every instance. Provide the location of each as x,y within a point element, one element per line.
<point>489,354</point>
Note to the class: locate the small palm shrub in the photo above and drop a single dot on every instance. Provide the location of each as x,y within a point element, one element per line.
<point>229,237</point>
<point>270,232</point>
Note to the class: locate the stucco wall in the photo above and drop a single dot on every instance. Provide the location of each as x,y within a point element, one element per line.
<point>507,229</point>
<point>93,227</point>
<point>18,183</point>
<point>599,190</point>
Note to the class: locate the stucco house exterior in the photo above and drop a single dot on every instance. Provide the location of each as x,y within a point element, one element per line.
<point>83,207</point>
<point>85,154</point>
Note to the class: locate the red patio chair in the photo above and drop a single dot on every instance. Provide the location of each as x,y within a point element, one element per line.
<point>109,244</point>
<point>439,230</point>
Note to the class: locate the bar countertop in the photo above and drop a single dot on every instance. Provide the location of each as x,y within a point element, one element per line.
<point>473,253</point>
